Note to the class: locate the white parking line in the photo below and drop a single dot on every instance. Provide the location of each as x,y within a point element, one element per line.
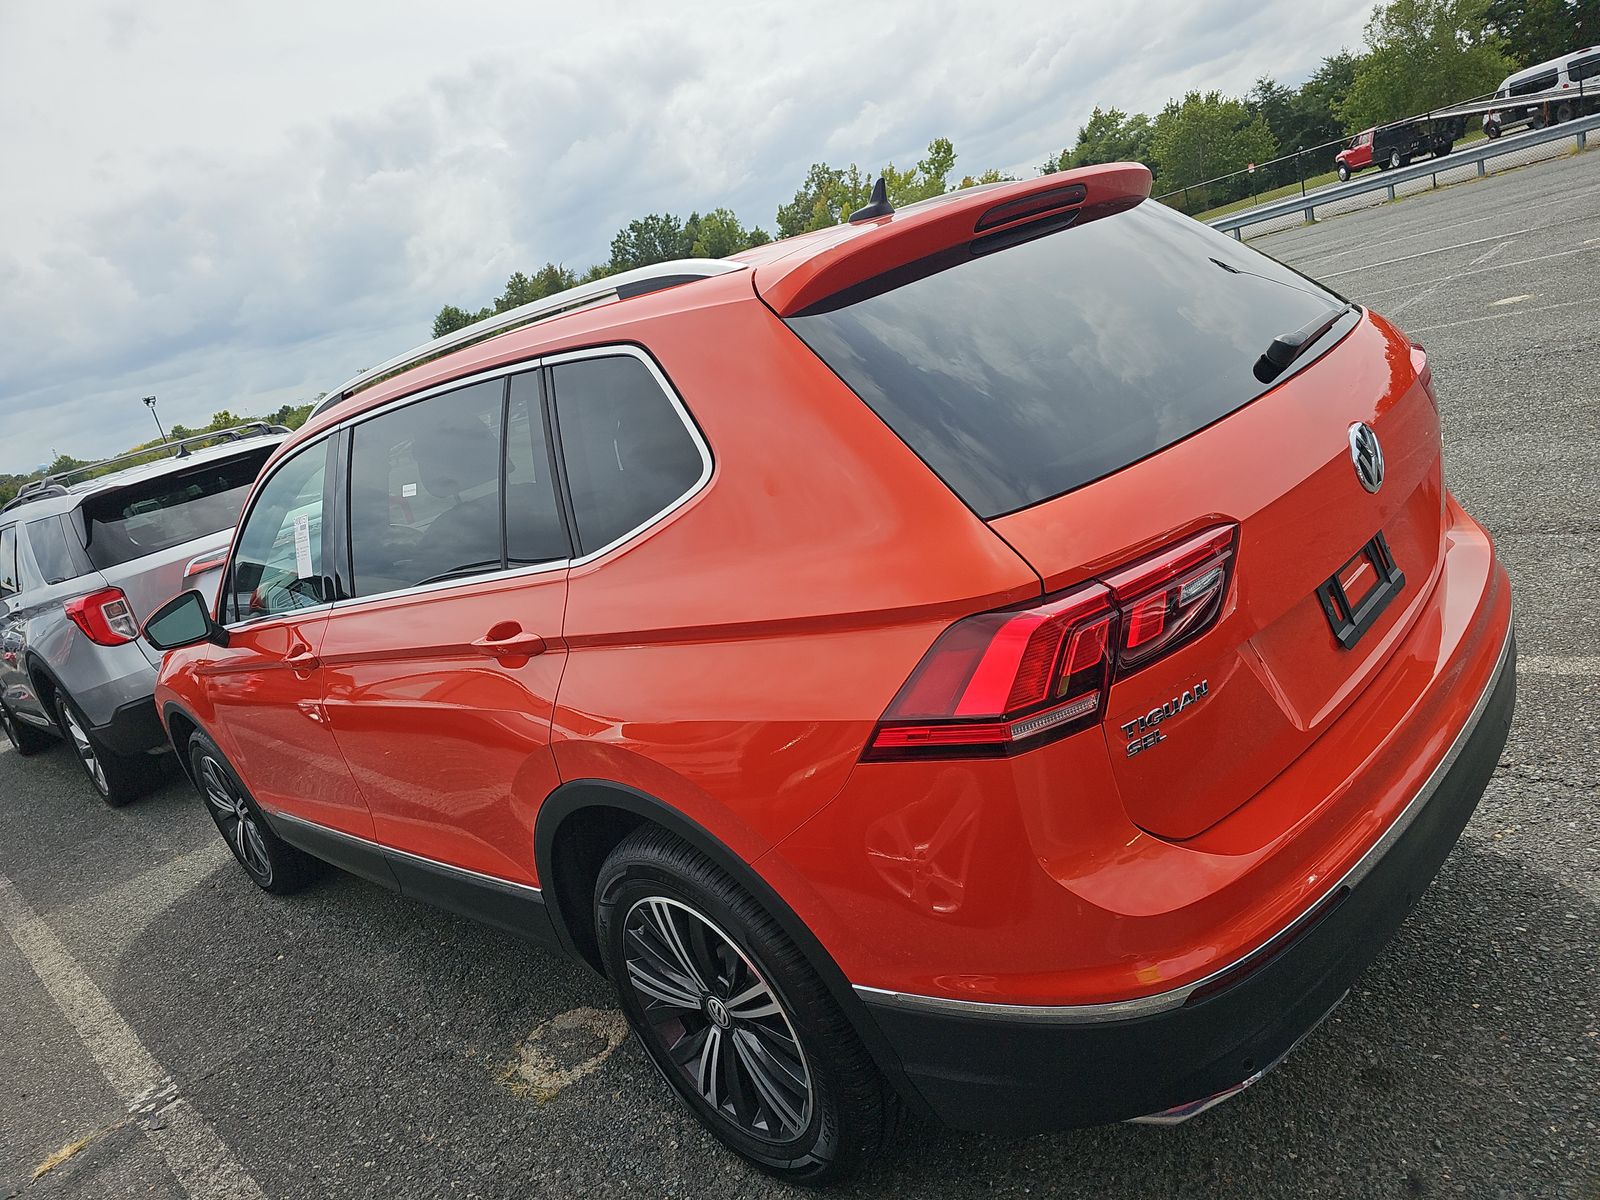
<point>200,1159</point>
<point>1558,664</point>
<point>1587,248</point>
<point>1518,312</point>
<point>1499,237</point>
<point>1564,202</point>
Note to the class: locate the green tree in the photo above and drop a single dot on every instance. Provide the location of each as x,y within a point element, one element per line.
<point>1109,135</point>
<point>1423,54</point>
<point>829,195</point>
<point>1535,31</point>
<point>1318,100</point>
<point>1207,135</point>
<point>655,238</point>
<point>451,318</point>
<point>1275,104</point>
<point>523,289</point>
<point>719,234</point>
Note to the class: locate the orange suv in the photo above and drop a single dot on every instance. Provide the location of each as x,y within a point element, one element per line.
<point>1013,659</point>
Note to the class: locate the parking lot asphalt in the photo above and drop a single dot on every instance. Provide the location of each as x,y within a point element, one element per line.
<point>347,1042</point>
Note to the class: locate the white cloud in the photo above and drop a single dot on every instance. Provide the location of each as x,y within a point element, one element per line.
<point>232,206</point>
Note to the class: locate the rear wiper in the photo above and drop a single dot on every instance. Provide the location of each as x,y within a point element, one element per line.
<point>1287,347</point>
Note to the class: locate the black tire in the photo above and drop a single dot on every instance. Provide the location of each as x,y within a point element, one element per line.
<point>1443,148</point>
<point>797,1094</point>
<point>1536,121</point>
<point>1492,130</point>
<point>116,778</point>
<point>1564,113</point>
<point>272,864</point>
<point>1344,173</point>
<point>22,737</point>
<point>1395,160</point>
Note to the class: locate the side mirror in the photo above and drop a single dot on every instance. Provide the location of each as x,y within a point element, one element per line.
<point>183,621</point>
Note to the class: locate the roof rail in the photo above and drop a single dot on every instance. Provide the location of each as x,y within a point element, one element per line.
<point>54,484</point>
<point>613,287</point>
<point>38,489</point>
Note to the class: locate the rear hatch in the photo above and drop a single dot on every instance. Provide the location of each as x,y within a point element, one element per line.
<point>1098,394</point>
<point>143,535</point>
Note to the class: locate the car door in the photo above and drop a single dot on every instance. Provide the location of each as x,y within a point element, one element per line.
<point>442,663</point>
<point>13,680</point>
<point>264,685</point>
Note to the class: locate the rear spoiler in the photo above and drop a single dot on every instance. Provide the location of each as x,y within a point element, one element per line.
<point>986,218</point>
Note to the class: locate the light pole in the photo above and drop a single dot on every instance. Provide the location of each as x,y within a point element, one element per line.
<point>150,403</point>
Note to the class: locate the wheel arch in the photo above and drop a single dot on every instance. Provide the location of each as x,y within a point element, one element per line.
<point>44,681</point>
<point>180,726</point>
<point>584,819</point>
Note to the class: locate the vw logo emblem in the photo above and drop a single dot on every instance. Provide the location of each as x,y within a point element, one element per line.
<point>1367,456</point>
<point>718,1012</point>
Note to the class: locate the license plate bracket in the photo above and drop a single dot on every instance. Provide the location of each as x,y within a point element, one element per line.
<point>1372,569</point>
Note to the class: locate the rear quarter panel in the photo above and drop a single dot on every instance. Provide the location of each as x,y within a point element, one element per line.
<point>733,661</point>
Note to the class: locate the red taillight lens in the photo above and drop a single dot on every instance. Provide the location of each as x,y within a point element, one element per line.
<point>104,617</point>
<point>1172,596</point>
<point>1004,681</point>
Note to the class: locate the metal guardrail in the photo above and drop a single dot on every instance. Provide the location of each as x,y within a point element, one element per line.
<point>1479,153</point>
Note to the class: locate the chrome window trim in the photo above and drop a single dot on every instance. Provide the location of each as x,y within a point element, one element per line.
<point>1160,1002</point>
<point>623,349</point>
<point>476,876</point>
<point>610,350</point>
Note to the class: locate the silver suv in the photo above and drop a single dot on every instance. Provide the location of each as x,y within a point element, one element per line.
<point>82,564</point>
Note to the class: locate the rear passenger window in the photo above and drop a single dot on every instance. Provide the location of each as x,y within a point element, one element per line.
<point>628,452</point>
<point>9,586</point>
<point>1580,69</point>
<point>1538,83</point>
<point>50,550</point>
<point>425,491</point>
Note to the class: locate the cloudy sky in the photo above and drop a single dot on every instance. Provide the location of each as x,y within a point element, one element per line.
<point>239,205</point>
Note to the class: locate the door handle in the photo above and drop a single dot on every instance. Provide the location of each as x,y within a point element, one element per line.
<point>303,659</point>
<point>507,640</point>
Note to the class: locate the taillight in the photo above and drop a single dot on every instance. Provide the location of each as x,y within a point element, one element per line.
<point>104,617</point>
<point>1004,681</point>
<point>1171,597</point>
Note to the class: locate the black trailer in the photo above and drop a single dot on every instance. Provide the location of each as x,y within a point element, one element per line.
<point>1396,145</point>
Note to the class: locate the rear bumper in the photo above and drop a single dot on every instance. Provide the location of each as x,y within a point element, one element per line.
<point>1013,1069</point>
<point>133,728</point>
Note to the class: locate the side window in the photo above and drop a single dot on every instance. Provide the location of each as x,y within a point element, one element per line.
<point>425,491</point>
<point>1582,69</point>
<point>535,531</point>
<point>10,584</point>
<point>627,452</point>
<point>277,566</point>
<point>51,552</point>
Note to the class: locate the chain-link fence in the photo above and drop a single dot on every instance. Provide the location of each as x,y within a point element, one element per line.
<point>1311,168</point>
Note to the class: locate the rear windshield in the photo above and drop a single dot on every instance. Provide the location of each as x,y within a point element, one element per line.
<point>157,514</point>
<point>1032,370</point>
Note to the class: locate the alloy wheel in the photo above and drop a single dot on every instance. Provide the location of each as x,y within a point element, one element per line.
<point>86,751</point>
<point>236,819</point>
<point>716,1018</point>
